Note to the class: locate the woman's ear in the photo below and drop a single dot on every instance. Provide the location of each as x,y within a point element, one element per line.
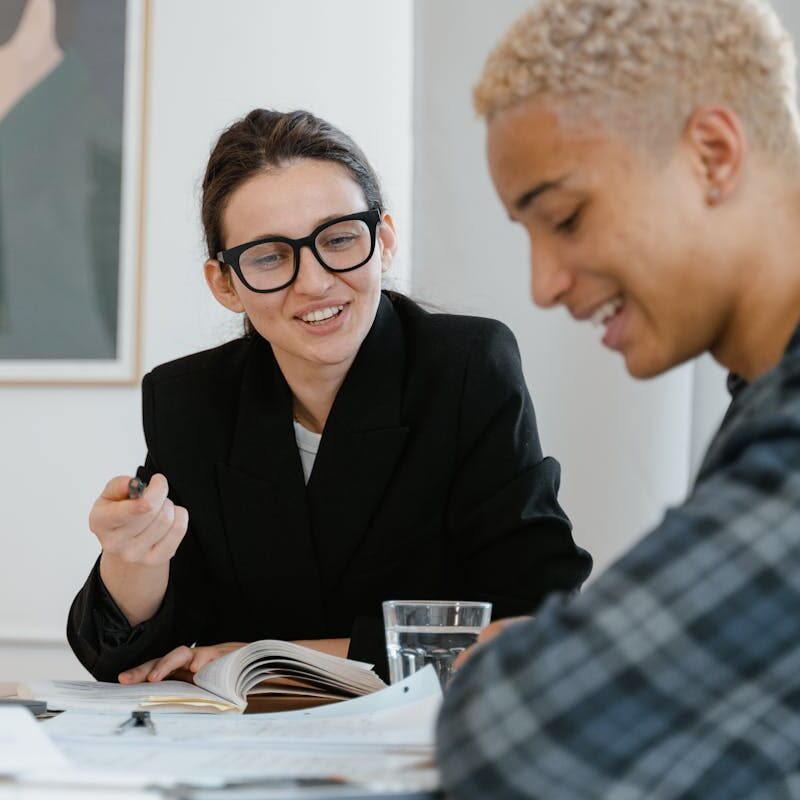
<point>220,281</point>
<point>387,238</point>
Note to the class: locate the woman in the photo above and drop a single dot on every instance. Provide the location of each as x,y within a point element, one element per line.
<point>429,480</point>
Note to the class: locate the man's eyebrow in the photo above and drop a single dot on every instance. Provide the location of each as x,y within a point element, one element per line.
<point>525,200</point>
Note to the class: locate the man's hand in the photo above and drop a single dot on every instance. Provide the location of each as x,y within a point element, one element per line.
<point>487,634</point>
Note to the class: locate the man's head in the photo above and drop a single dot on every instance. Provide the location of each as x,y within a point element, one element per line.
<point>640,143</point>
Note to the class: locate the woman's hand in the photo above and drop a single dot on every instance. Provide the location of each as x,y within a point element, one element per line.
<point>138,537</point>
<point>181,663</point>
<point>145,531</point>
<point>487,634</point>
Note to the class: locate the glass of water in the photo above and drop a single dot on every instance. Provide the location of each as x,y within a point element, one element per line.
<point>422,632</point>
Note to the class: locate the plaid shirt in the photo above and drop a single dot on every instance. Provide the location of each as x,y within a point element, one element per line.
<point>677,673</point>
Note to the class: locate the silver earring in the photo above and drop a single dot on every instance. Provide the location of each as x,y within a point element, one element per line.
<point>714,194</point>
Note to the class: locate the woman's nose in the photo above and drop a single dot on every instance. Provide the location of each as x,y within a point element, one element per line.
<point>312,278</point>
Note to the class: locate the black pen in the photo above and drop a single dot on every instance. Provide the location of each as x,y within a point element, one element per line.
<point>135,488</point>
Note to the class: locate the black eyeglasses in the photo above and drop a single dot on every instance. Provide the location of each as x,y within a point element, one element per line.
<point>271,264</point>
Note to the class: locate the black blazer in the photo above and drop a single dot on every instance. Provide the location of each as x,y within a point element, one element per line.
<point>429,484</point>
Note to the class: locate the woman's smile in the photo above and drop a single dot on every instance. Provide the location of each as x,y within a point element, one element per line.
<point>322,319</point>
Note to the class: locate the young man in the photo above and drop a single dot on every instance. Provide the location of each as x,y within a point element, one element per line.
<point>651,151</point>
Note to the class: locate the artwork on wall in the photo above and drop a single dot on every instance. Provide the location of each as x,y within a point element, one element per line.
<point>72,147</point>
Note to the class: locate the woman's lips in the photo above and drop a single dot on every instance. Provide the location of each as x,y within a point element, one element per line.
<point>326,326</point>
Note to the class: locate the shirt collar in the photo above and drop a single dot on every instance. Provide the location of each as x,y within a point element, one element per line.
<point>736,382</point>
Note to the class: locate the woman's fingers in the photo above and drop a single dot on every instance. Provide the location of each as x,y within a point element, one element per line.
<point>113,512</point>
<point>116,489</point>
<point>166,547</point>
<point>204,655</point>
<point>158,668</point>
<point>144,531</point>
<point>179,658</point>
<point>180,663</point>
<point>137,674</point>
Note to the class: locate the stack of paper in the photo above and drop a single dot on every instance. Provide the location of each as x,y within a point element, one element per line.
<point>380,742</point>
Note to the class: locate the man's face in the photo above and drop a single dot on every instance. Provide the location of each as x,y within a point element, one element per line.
<point>617,237</point>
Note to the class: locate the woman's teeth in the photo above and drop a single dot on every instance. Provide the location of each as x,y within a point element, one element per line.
<point>322,314</point>
<point>606,312</point>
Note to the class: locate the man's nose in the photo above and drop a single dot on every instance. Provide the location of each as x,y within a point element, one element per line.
<point>550,277</point>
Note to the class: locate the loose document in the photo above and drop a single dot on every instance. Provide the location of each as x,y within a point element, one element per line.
<point>379,742</point>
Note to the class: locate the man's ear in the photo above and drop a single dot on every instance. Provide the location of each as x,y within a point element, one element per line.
<point>718,145</point>
<point>220,281</point>
<point>387,240</point>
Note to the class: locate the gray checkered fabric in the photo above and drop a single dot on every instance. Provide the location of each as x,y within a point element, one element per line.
<point>677,673</point>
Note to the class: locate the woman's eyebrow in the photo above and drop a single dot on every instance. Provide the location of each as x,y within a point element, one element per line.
<point>316,225</point>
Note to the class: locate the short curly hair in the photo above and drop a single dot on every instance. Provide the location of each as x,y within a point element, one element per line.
<point>653,61</point>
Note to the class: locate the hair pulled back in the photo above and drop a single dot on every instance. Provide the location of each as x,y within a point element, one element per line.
<point>265,140</point>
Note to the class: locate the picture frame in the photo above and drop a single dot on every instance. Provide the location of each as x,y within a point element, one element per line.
<point>73,152</point>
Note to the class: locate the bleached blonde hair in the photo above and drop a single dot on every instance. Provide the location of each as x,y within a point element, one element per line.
<point>649,63</point>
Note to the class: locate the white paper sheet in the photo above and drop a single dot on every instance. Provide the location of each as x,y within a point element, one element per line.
<point>23,743</point>
<point>411,725</point>
<point>420,685</point>
<point>211,762</point>
<point>18,791</point>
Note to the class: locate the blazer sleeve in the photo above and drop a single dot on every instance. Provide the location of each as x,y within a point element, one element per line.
<point>512,540</point>
<point>100,635</point>
<point>98,632</point>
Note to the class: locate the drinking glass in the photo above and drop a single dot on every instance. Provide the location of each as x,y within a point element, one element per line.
<point>421,632</point>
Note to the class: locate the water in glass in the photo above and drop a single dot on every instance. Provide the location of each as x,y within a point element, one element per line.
<point>410,648</point>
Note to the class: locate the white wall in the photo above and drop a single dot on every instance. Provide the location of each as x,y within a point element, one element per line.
<point>349,61</point>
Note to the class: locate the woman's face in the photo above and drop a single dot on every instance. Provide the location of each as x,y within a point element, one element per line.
<point>292,202</point>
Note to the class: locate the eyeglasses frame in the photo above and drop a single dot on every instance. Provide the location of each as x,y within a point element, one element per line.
<point>372,217</point>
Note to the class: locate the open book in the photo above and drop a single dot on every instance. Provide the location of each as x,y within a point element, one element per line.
<point>270,675</point>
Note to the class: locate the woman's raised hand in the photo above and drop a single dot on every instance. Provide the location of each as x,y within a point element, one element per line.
<point>145,531</point>
<point>181,663</point>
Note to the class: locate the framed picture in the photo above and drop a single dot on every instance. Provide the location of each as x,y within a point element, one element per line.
<point>72,167</point>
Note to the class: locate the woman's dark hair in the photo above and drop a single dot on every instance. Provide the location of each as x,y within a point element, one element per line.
<point>265,140</point>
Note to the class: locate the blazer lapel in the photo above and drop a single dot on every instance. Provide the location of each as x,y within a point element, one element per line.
<point>265,507</point>
<point>363,439</point>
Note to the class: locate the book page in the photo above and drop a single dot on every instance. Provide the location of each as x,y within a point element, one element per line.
<point>100,696</point>
<point>421,685</point>
<point>235,674</point>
